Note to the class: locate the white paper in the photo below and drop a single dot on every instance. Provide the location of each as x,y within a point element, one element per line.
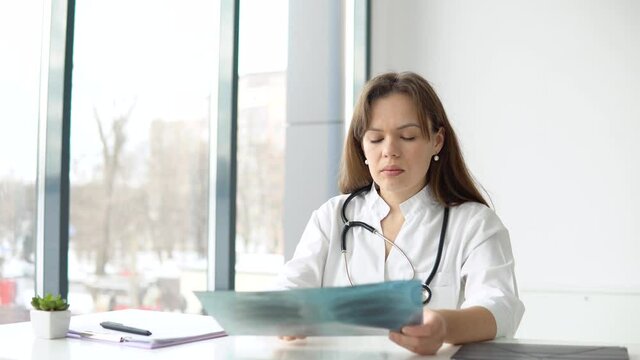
<point>166,328</point>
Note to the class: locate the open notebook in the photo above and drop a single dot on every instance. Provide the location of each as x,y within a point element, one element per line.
<point>167,328</point>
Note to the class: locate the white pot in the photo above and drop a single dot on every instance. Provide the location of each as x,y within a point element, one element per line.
<point>50,324</point>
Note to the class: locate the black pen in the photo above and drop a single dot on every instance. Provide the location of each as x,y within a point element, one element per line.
<point>128,329</point>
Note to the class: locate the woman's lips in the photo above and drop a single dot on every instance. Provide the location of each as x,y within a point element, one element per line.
<point>392,171</point>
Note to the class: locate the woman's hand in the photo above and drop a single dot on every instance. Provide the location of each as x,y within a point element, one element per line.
<point>423,339</point>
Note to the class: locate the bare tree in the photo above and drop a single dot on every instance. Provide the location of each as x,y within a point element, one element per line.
<point>112,152</point>
<point>178,186</point>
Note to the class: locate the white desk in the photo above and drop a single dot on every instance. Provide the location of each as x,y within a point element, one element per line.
<point>17,342</point>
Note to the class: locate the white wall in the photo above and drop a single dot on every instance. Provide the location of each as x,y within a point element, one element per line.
<point>545,97</point>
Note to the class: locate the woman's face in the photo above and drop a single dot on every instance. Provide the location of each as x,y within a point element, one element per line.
<point>397,152</point>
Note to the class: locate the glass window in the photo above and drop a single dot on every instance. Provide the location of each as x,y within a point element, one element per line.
<point>144,91</point>
<point>262,68</point>
<point>20,43</point>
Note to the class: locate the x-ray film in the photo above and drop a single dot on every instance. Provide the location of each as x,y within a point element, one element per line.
<point>371,309</point>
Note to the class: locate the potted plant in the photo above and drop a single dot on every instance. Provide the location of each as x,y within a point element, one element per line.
<point>50,316</point>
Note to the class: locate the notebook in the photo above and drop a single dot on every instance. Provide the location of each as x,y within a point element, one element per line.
<point>166,328</point>
<point>516,351</point>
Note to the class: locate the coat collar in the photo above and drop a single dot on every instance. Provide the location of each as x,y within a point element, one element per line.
<point>415,205</point>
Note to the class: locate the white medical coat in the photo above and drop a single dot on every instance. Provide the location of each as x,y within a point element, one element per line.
<point>476,269</point>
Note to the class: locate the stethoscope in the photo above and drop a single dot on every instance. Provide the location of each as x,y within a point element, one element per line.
<point>427,294</point>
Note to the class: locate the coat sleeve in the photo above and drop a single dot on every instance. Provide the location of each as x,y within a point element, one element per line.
<point>488,272</point>
<point>306,268</point>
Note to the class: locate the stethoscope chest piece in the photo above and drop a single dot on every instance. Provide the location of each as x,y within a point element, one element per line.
<point>426,294</point>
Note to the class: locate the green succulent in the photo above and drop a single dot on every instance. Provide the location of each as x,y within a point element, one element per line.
<point>49,303</point>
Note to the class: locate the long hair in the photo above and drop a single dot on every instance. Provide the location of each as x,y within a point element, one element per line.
<point>448,178</point>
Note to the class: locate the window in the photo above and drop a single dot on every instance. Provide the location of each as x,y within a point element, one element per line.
<point>262,79</point>
<point>144,91</point>
<point>20,41</point>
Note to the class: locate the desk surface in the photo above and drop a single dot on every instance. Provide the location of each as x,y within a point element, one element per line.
<point>17,342</point>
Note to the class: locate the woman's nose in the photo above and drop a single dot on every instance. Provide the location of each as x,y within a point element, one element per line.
<point>391,148</point>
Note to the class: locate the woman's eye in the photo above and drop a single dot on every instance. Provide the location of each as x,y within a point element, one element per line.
<point>375,141</point>
<point>408,138</point>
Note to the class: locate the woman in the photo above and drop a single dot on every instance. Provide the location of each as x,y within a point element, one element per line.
<point>402,158</point>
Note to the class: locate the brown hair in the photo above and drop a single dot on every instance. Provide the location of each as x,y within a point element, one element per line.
<point>448,178</point>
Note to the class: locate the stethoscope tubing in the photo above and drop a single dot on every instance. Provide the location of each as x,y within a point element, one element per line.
<point>350,224</point>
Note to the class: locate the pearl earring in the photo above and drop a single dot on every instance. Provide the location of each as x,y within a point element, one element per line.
<point>366,162</point>
<point>436,157</point>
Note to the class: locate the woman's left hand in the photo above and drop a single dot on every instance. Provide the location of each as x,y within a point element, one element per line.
<point>424,339</point>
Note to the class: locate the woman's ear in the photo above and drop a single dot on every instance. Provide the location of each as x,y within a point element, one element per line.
<point>438,139</point>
